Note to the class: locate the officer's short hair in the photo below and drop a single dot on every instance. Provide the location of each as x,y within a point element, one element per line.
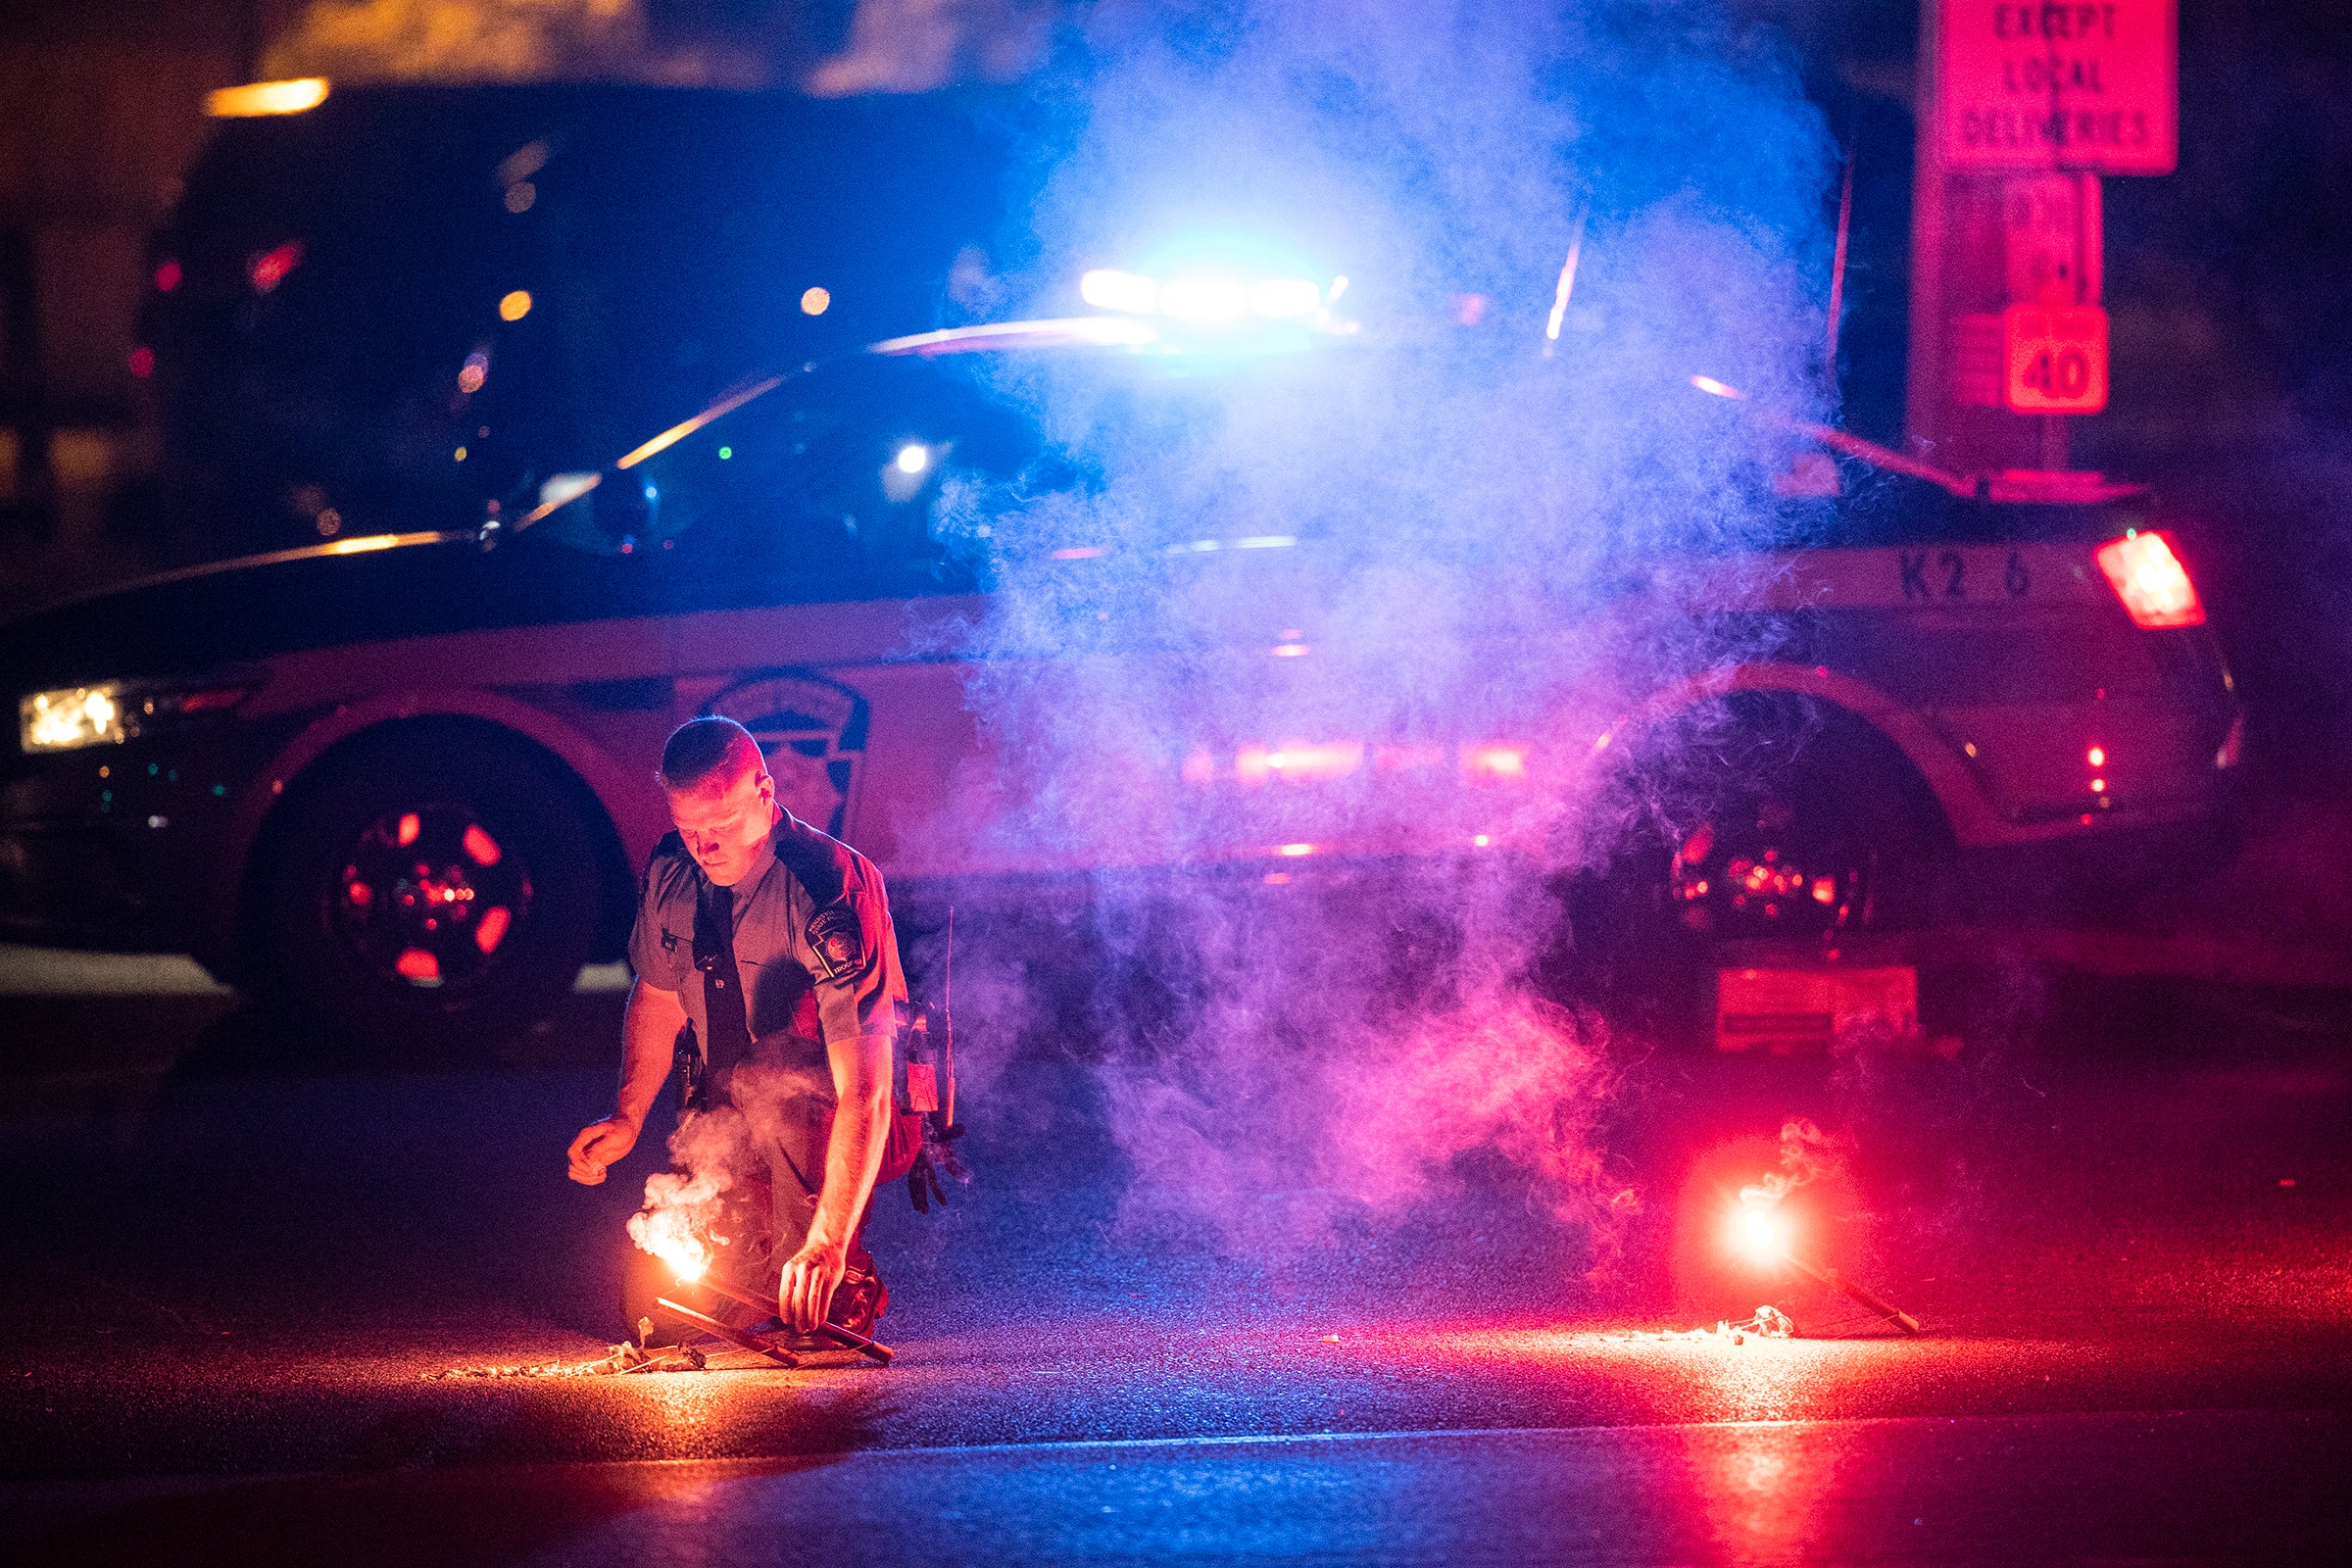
<point>705,750</point>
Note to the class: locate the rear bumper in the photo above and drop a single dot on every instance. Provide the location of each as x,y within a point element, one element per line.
<point>2148,747</point>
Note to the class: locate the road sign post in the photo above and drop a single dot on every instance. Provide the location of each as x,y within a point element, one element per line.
<point>2056,359</point>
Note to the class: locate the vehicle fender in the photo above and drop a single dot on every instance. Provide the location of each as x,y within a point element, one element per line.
<point>1968,809</point>
<point>624,795</point>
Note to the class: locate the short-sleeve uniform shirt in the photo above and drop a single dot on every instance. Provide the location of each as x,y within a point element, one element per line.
<point>814,943</point>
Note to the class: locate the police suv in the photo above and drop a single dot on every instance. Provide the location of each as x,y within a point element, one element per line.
<point>407,778</point>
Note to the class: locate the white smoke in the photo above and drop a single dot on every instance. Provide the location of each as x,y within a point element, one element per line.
<point>1275,1063</point>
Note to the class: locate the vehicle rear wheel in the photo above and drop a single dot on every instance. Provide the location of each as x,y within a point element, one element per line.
<point>1763,819</point>
<point>431,891</point>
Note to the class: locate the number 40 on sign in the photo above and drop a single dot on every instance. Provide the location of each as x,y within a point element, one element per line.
<point>2056,357</point>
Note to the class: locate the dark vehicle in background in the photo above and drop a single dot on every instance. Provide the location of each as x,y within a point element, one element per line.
<point>405,306</point>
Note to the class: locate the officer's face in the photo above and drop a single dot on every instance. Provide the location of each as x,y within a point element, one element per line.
<point>724,827</point>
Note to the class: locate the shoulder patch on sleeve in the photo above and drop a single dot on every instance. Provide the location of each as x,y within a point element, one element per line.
<point>836,940</point>
<point>822,866</point>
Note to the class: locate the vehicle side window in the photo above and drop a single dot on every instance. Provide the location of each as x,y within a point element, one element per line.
<point>839,474</point>
<point>737,498</point>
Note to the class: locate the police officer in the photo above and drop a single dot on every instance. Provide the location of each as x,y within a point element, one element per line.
<point>775,941</point>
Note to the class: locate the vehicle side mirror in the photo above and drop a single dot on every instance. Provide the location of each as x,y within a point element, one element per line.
<point>627,507</point>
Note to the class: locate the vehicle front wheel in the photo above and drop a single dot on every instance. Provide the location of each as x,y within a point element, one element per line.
<point>431,890</point>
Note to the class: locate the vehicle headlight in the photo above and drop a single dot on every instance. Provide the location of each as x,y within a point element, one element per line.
<point>74,715</point>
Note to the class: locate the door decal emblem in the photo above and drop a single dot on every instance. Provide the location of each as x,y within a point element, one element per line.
<point>811,731</point>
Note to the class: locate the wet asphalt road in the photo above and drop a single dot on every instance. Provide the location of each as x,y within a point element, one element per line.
<point>2126,1220</point>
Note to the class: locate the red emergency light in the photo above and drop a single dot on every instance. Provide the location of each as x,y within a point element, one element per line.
<point>2151,581</point>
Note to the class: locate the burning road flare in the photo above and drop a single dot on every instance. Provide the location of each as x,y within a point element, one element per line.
<point>671,1225</point>
<point>1761,1231</point>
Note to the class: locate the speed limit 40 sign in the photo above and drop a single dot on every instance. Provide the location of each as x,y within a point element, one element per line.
<point>2056,358</point>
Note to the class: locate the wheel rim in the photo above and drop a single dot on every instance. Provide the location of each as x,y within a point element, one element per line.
<point>1764,871</point>
<point>429,897</point>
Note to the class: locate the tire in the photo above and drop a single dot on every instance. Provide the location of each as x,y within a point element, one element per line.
<point>1759,818</point>
<point>1796,825</point>
<point>434,890</point>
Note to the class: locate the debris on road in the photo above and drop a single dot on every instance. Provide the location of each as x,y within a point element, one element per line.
<point>1761,1230</point>
<point>623,1357</point>
<point>1769,1323</point>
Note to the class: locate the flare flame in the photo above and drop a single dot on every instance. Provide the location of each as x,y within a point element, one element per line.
<point>674,1224</point>
<point>1758,1228</point>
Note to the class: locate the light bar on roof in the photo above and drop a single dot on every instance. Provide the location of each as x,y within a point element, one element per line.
<point>1202,296</point>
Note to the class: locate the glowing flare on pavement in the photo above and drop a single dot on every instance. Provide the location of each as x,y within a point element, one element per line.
<point>1758,1228</point>
<point>682,1250</point>
<point>674,1225</point>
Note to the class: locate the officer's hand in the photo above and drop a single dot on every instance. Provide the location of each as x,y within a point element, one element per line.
<point>600,1144</point>
<point>806,1289</point>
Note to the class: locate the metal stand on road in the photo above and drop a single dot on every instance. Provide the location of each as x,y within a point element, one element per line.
<point>848,1339</point>
<point>1839,1282</point>
<point>727,1332</point>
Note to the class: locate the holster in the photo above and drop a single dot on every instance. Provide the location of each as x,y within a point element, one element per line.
<point>927,1062</point>
<point>686,1059</point>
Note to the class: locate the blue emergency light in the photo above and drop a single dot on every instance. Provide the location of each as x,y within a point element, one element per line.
<point>1207,297</point>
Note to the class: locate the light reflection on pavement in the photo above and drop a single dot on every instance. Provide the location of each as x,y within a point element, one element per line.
<point>229,1285</point>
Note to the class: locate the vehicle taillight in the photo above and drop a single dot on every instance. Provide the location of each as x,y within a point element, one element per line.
<point>2151,581</point>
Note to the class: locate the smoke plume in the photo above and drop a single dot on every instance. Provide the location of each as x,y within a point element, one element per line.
<point>1807,1153</point>
<point>1399,594</point>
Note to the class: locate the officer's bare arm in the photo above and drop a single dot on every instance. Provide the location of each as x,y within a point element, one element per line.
<point>648,1038</point>
<point>648,1033</point>
<point>861,1127</point>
